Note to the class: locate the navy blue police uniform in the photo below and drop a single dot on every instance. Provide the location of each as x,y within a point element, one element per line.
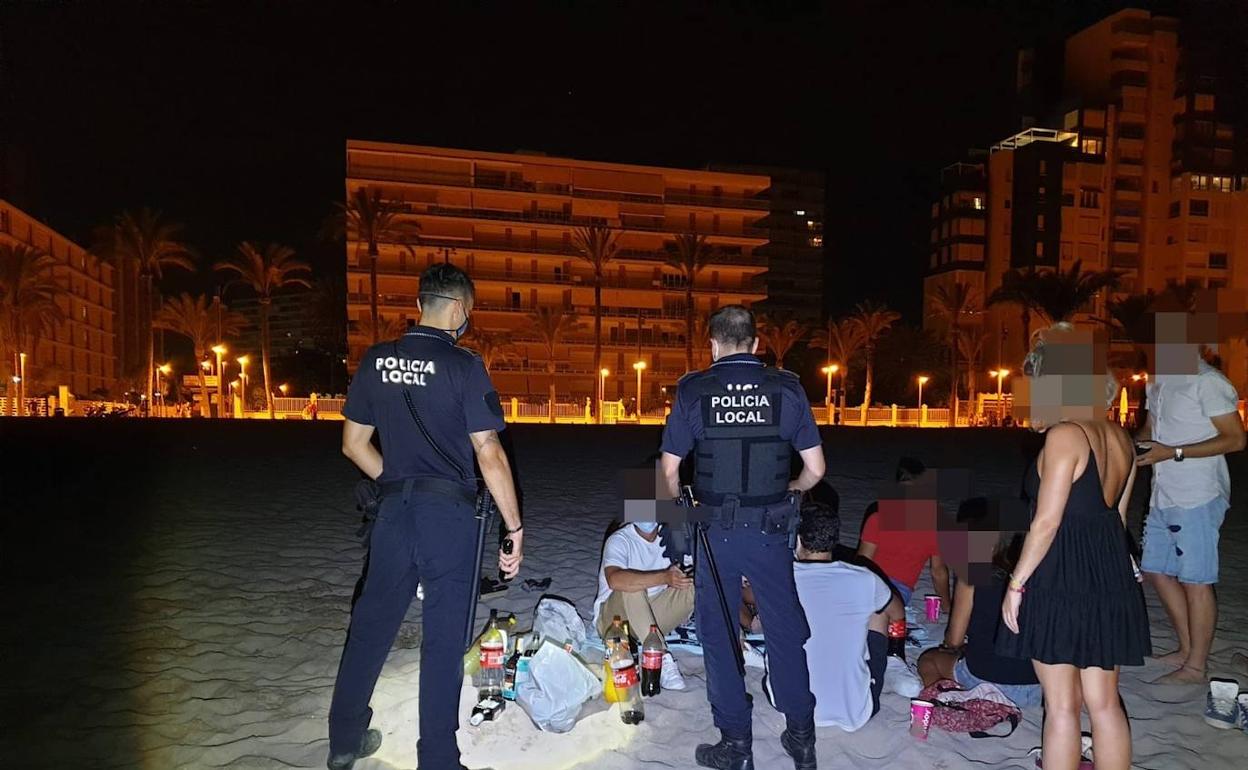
<point>425,530</point>
<point>742,420</point>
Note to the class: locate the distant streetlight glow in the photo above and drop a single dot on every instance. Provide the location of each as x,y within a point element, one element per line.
<point>602,391</point>
<point>640,366</point>
<point>923,378</point>
<point>1000,374</point>
<point>829,370</point>
<point>220,350</point>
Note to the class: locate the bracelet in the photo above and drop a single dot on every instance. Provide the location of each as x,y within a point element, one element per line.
<point>1016,586</point>
<point>517,529</point>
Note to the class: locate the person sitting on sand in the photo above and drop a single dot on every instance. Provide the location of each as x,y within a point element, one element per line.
<point>638,582</point>
<point>848,608</point>
<point>967,655</point>
<point>900,544</point>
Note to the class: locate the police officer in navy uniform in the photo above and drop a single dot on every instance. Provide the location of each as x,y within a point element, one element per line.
<point>742,420</point>
<point>425,529</point>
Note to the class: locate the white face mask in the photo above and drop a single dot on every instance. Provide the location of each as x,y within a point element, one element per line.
<point>646,526</point>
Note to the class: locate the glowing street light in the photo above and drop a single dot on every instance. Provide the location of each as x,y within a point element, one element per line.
<point>22,385</point>
<point>220,350</point>
<point>640,366</point>
<point>602,391</point>
<point>1000,374</point>
<point>283,388</point>
<point>829,370</point>
<point>922,378</point>
<point>242,377</point>
<point>163,369</point>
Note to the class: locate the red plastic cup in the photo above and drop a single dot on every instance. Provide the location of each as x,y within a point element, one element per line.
<point>931,605</point>
<point>920,718</point>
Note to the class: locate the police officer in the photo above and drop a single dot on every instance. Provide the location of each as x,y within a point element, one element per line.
<point>742,419</point>
<point>425,529</point>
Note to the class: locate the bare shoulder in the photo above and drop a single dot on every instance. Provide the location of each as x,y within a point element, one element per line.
<point>1064,437</point>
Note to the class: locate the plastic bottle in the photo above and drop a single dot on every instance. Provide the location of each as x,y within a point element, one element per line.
<point>611,640</point>
<point>897,639</point>
<point>493,649</point>
<point>652,652</point>
<point>627,686</point>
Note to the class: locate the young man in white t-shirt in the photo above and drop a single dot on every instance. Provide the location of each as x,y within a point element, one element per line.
<point>848,609</point>
<point>641,585</point>
<point>1192,424</point>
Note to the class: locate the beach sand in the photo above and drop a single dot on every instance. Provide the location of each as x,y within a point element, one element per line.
<point>178,598</point>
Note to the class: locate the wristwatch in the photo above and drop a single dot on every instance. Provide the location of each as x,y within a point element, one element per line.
<point>1178,454</point>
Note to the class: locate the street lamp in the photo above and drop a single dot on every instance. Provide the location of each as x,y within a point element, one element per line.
<point>923,378</point>
<point>22,385</point>
<point>829,370</point>
<point>242,377</point>
<point>163,369</point>
<point>220,350</point>
<point>1000,374</point>
<point>602,391</point>
<point>640,366</point>
<point>283,388</point>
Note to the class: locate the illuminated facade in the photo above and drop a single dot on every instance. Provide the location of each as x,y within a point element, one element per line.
<point>1142,177</point>
<point>509,220</point>
<point>80,353</point>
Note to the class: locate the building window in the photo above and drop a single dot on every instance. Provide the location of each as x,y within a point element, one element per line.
<point>1044,167</point>
<point>1090,199</point>
<point>1220,184</point>
<point>1217,260</point>
<point>1039,249</point>
<point>1200,182</point>
<point>1039,221</point>
<point>1198,208</point>
<point>1092,145</point>
<point>1174,209</point>
<point>1068,199</point>
<point>799,212</point>
<point>1204,102</point>
<point>977,203</point>
<point>816,241</point>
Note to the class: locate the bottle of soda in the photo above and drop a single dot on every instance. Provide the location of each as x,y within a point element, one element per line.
<point>510,669</point>
<point>627,635</point>
<point>627,688</point>
<point>897,639</point>
<point>652,652</point>
<point>493,649</point>
<point>611,640</point>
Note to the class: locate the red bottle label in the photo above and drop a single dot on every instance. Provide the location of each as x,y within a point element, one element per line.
<point>624,678</point>
<point>491,657</point>
<point>897,629</point>
<point>652,660</point>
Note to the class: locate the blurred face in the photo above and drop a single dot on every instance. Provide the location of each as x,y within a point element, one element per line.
<point>1066,380</point>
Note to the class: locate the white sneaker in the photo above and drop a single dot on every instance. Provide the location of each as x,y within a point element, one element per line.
<point>900,678</point>
<point>1221,708</point>
<point>670,678</point>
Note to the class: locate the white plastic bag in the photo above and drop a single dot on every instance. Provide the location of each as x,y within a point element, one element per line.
<point>556,618</point>
<point>558,684</point>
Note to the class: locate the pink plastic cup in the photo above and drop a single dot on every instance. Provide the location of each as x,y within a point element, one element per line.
<point>920,718</point>
<point>931,605</point>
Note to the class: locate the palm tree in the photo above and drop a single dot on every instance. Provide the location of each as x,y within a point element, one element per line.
<point>387,328</point>
<point>872,322</point>
<point>1061,294</point>
<point>196,319</point>
<point>551,324</point>
<point>491,346</point>
<point>951,303</point>
<point>701,334</point>
<point>780,335</point>
<point>970,345</point>
<point>150,244</point>
<point>1019,287</point>
<point>373,219</point>
<point>690,255</point>
<point>842,339</point>
<point>266,271</point>
<point>28,295</point>
<point>597,245</point>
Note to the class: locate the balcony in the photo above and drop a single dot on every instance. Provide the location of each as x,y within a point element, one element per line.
<point>558,218</point>
<point>510,183</point>
<point>1124,261</point>
<point>755,285</point>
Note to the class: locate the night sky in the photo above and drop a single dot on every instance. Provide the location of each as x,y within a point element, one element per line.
<point>232,118</point>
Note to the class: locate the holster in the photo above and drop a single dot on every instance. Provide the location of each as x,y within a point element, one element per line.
<point>367,502</point>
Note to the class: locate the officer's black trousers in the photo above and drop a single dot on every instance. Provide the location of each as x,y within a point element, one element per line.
<point>427,539</point>
<point>768,563</point>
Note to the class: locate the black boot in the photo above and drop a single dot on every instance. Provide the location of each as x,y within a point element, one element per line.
<point>731,753</point>
<point>368,746</point>
<point>799,742</point>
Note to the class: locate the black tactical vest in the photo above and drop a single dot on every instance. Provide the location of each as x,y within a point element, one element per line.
<point>741,452</point>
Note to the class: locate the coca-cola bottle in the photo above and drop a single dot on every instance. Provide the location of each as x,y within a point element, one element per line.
<point>627,686</point>
<point>652,652</point>
<point>897,639</point>
<point>610,641</point>
<point>493,649</point>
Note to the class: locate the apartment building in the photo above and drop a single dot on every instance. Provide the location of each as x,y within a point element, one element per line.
<point>509,220</point>
<point>80,352</point>
<point>1142,170</point>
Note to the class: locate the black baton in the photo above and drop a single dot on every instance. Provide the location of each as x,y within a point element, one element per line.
<point>485,510</point>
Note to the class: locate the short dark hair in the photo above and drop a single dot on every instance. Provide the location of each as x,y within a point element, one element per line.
<point>909,469</point>
<point>824,494</point>
<point>442,280</point>
<point>733,325</point>
<point>819,527</point>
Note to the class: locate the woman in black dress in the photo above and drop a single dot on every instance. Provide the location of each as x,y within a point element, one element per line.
<point>1074,605</point>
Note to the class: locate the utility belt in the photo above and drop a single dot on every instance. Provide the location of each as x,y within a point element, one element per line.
<point>777,516</point>
<point>369,494</point>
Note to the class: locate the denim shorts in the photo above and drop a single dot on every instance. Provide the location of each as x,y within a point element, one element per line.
<point>1023,695</point>
<point>903,590</point>
<point>1183,542</point>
